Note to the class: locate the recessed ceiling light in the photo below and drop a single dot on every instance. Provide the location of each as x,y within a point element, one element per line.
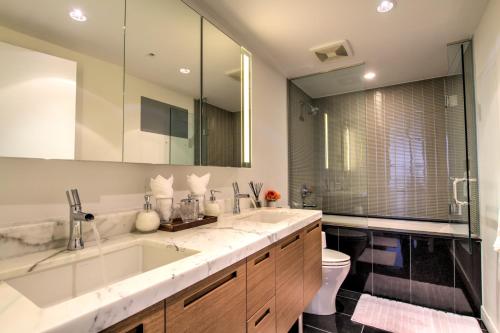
<point>185,70</point>
<point>369,76</point>
<point>385,6</point>
<point>77,15</point>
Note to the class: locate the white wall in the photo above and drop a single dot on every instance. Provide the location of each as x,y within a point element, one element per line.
<point>487,72</point>
<point>34,189</point>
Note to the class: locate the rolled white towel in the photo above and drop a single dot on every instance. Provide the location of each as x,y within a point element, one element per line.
<point>496,245</point>
<point>163,192</point>
<point>162,187</point>
<point>198,186</point>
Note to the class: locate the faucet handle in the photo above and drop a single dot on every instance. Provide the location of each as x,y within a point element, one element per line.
<point>236,188</point>
<point>70,201</point>
<point>76,197</point>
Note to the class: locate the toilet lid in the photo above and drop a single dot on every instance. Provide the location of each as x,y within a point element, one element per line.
<point>335,258</point>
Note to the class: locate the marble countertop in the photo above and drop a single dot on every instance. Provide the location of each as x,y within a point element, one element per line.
<point>219,244</point>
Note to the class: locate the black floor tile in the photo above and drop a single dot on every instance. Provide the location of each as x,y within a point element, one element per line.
<point>349,294</point>
<point>345,305</point>
<point>337,323</point>
<point>310,329</point>
<point>369,329</point>
<point>482,326</point>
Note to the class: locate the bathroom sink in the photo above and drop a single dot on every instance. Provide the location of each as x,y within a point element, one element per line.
<point>269,216</point>
<point>69,280</point>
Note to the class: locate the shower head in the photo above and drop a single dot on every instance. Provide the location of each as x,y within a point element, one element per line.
<point>311,110</point>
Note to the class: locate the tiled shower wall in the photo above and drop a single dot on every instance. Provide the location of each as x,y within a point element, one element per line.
<point>301,143</point>
<point>391,151</point>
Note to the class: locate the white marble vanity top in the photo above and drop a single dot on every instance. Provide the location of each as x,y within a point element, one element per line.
<point>220,244</point>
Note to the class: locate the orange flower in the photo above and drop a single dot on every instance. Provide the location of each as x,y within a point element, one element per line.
<point>272,195</point>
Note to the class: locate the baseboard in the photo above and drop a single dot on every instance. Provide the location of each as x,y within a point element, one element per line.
<point>488,322</point>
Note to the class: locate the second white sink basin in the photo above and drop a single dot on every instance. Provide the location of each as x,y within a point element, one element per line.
<point>269,216</point>
<point>69,280</point>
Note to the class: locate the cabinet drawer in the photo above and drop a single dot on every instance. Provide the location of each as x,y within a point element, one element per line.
<point>150,320</point>
<point>216,304</point>
<point>289,281</point>
<point>312,261</point>
<point>264,320</point>
<point>261,279</point>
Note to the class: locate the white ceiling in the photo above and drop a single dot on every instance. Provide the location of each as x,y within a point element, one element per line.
<point>167,28</point>
<point>406,44</point>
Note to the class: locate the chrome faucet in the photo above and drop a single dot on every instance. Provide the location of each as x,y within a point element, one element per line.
<point>76,217</point>
<point>237,197</point>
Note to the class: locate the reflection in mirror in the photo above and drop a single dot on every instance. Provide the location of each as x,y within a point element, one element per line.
<point>162,81</point>
<point>221,119</point>
<point>62,79</point>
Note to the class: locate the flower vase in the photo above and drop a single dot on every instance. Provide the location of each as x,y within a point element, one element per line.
<point>271,203</point>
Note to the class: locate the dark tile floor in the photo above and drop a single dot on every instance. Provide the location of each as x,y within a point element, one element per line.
<point>341,321</point>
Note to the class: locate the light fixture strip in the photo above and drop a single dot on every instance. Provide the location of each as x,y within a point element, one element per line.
<point>246,106</point>
<point>327,165</point>
<point>347,148</point>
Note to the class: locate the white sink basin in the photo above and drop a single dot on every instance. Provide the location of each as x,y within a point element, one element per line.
<point>69,280</point>
<point>269,216</point>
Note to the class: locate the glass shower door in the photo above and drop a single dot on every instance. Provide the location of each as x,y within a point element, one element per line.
<point>461,137</point>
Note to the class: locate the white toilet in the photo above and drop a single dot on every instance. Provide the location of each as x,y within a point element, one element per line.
<point>336,266</point>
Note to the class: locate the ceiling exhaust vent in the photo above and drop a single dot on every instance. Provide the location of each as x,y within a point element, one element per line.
<point>333,51</point>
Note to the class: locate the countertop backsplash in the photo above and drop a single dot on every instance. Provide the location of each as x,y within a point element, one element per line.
<point>17,239</point>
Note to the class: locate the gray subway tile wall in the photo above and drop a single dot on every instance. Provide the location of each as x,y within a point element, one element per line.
<point>392,150</point>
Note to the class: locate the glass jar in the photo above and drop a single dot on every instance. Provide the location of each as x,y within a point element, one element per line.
<point>189,209</point>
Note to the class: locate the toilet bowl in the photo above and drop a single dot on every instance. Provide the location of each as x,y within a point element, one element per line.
<point>335,268</point>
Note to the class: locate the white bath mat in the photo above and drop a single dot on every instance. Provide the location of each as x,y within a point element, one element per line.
<point>401,317</point>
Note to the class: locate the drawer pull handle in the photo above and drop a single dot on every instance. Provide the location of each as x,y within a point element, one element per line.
<point>138,329</point>
<point>205,291</point>
<point>262,258</point>
<point>296,238</point>
<point>312,228</point>
<point>262,317</point>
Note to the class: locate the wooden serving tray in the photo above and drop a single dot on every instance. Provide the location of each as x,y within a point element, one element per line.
<point>177,224</point>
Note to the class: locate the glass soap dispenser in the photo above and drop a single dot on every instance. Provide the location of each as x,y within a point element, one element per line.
<point>147,220</point>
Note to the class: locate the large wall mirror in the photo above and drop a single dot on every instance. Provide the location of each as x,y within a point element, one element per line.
<point>225,109</point>
<point>162,81</point>
<point>121,80</point>
<point>61,79</point>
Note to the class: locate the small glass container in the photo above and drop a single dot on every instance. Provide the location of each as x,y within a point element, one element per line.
<point>164,207</point>
<point>189,209</point>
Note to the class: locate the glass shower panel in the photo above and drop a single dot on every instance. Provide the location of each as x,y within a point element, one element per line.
<point>328,142</point>
<point>461,137</point>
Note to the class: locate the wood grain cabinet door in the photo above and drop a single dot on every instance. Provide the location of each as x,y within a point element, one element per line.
<point>261,279</point>
<point>312,261</point>
<point>289,281</point>
<point>149,320</point>
<point>264,320</point>
<point>216,304</point>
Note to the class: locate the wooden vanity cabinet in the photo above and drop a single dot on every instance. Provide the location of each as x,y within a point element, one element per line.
<point>261,276</point>
<point>149,320</point>
<point>216,304</point>
<point>312,261</point>
<point>264,320</point>
<point>264,293</point>
<point>289,280</point>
